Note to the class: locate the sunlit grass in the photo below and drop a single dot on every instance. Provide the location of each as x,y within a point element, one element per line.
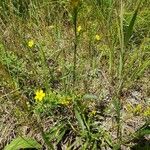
<point>87,58</point>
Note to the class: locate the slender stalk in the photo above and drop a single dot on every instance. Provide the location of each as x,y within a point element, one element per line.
<point>121,68</point>
<point>45,67</point>
<point>75,14</point>
<point>121,43</point>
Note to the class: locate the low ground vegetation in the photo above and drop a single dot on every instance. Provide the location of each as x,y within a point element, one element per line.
<point>74,74</point>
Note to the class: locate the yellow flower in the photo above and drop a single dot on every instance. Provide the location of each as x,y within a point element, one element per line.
<point>97,37</point>
<point>93,113</point>
<point>39,95</point>
<point>79,29</point>
<point>51,26</point>
<point>138,109</point>
<point>129,107</point>
<point>31,43</point>
<point>65,100</point>
<point>147,112</point>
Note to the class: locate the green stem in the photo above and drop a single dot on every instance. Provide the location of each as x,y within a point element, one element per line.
<point>75,13</point>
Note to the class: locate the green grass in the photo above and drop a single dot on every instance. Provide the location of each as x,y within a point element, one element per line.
<point>89,83</point>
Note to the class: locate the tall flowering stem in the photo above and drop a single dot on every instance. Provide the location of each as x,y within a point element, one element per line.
<point>75,10</point>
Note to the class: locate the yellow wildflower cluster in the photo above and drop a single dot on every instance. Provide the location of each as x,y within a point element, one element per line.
<point>39,95</point>
<point>65,100</point>
<point>92,113</point>
<point>79,28</point>
<point>147,112</point>
<point>137,109</point>
<point>30,43</point>
<point>129,108</point>
<point>97,37</point>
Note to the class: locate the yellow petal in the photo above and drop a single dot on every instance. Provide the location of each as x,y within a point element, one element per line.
<point>31,43</point>
<point>97,37</point>
<point>79,29</point>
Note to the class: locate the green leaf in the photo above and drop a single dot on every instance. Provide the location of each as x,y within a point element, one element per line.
<point>56,133</point>
<point>129,30</point>
<point>22,143</point>
<point>144,66</point>
<point>140,70</point>
<point>90,96</point>
<point>85,144</point>
<point>144,130</point>
<point>80,120</point>
<point>116,147</point>
<point>108,140</point>
<point>139,134</point>
<point>61,134</point>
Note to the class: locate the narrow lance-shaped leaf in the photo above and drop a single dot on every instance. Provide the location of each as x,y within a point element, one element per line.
<point>22,143</point>
<point>80,120</point>
<point>129,30</point>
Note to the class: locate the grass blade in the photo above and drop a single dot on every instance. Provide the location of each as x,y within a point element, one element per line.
<point>128,32</point>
